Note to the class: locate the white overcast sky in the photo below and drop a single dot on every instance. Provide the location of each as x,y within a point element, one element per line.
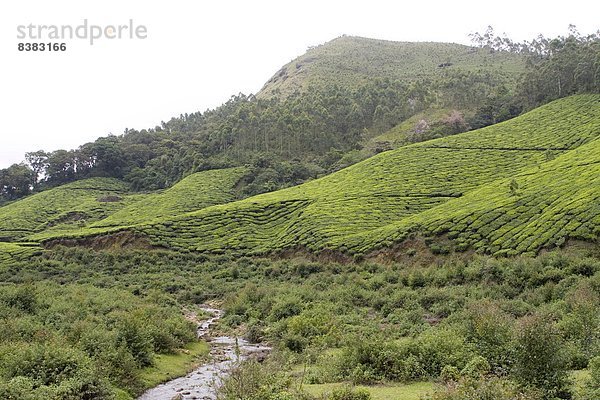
<point>199,53</point>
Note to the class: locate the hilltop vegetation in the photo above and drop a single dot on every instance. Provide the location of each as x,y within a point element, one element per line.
<point>351,61</point>
<point>308,130</point>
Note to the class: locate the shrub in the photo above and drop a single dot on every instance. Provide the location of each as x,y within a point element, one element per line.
<point>440,347</point>
<point>49,371</point>
<point>370,361</point>
<point>491,331</point>
<point>591,389</point>
<point>449,374</point>
<point>137,340</point>
<point>250,380</point>
<point>477,367</point>
<point>540,360</point>
<point>22,298</point>
<point>581,324</point>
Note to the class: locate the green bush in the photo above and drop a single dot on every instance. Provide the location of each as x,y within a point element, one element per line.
<point>449,374</point>
<point>250,380</point>
<point>591,388</point>
<point>440,347</point>
<point>476,368</point>
<point>76,341</point>
<point>540,359</point>
<point>491,331</point>
<point>49,371</point>
<point>370,361</point>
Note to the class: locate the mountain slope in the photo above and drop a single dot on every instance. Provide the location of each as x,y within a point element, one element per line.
<point>374,203</point>
<point>104,203</point>
<point>351,61</point>
<point>62,207</point>
<point>194,192</point>
<point>550,204</point>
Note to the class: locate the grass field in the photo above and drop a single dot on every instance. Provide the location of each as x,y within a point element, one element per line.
<point>412,391</point>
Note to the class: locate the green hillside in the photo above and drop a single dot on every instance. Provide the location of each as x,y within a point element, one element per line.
<point>101,205</point>
<point>351,61</point>
<point>64,207</point>
<point>550,204</point>
<point>409,130</point>
<point>350,90</point>
<point>194,192</point>
<point>345,216</point>
<point>11,252</point>
<point>380,200</point>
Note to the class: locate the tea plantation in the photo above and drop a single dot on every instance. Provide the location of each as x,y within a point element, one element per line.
<point>514,187</point>
<point>379,201</point>
<point>194,192</point>
<point>63,207</point>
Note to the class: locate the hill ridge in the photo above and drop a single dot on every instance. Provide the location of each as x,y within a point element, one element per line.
<point>348,60</point>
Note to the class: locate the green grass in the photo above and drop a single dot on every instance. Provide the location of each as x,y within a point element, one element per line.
<point>170,366</point>
<point>350,61</point>
<point>412,391</point>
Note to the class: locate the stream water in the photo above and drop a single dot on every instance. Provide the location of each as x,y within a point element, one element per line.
<point>202,382</point>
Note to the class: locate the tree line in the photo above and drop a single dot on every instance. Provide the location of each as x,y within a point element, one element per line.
<point>313,131</point>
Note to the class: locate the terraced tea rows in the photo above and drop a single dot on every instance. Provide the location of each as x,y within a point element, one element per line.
<point>10,252</point>
<point>63,208</point>
<point>103,205</point>
<point>194,192</point>
<point>553,126</point>
<point>552,204</point>
<point>338,211</point>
